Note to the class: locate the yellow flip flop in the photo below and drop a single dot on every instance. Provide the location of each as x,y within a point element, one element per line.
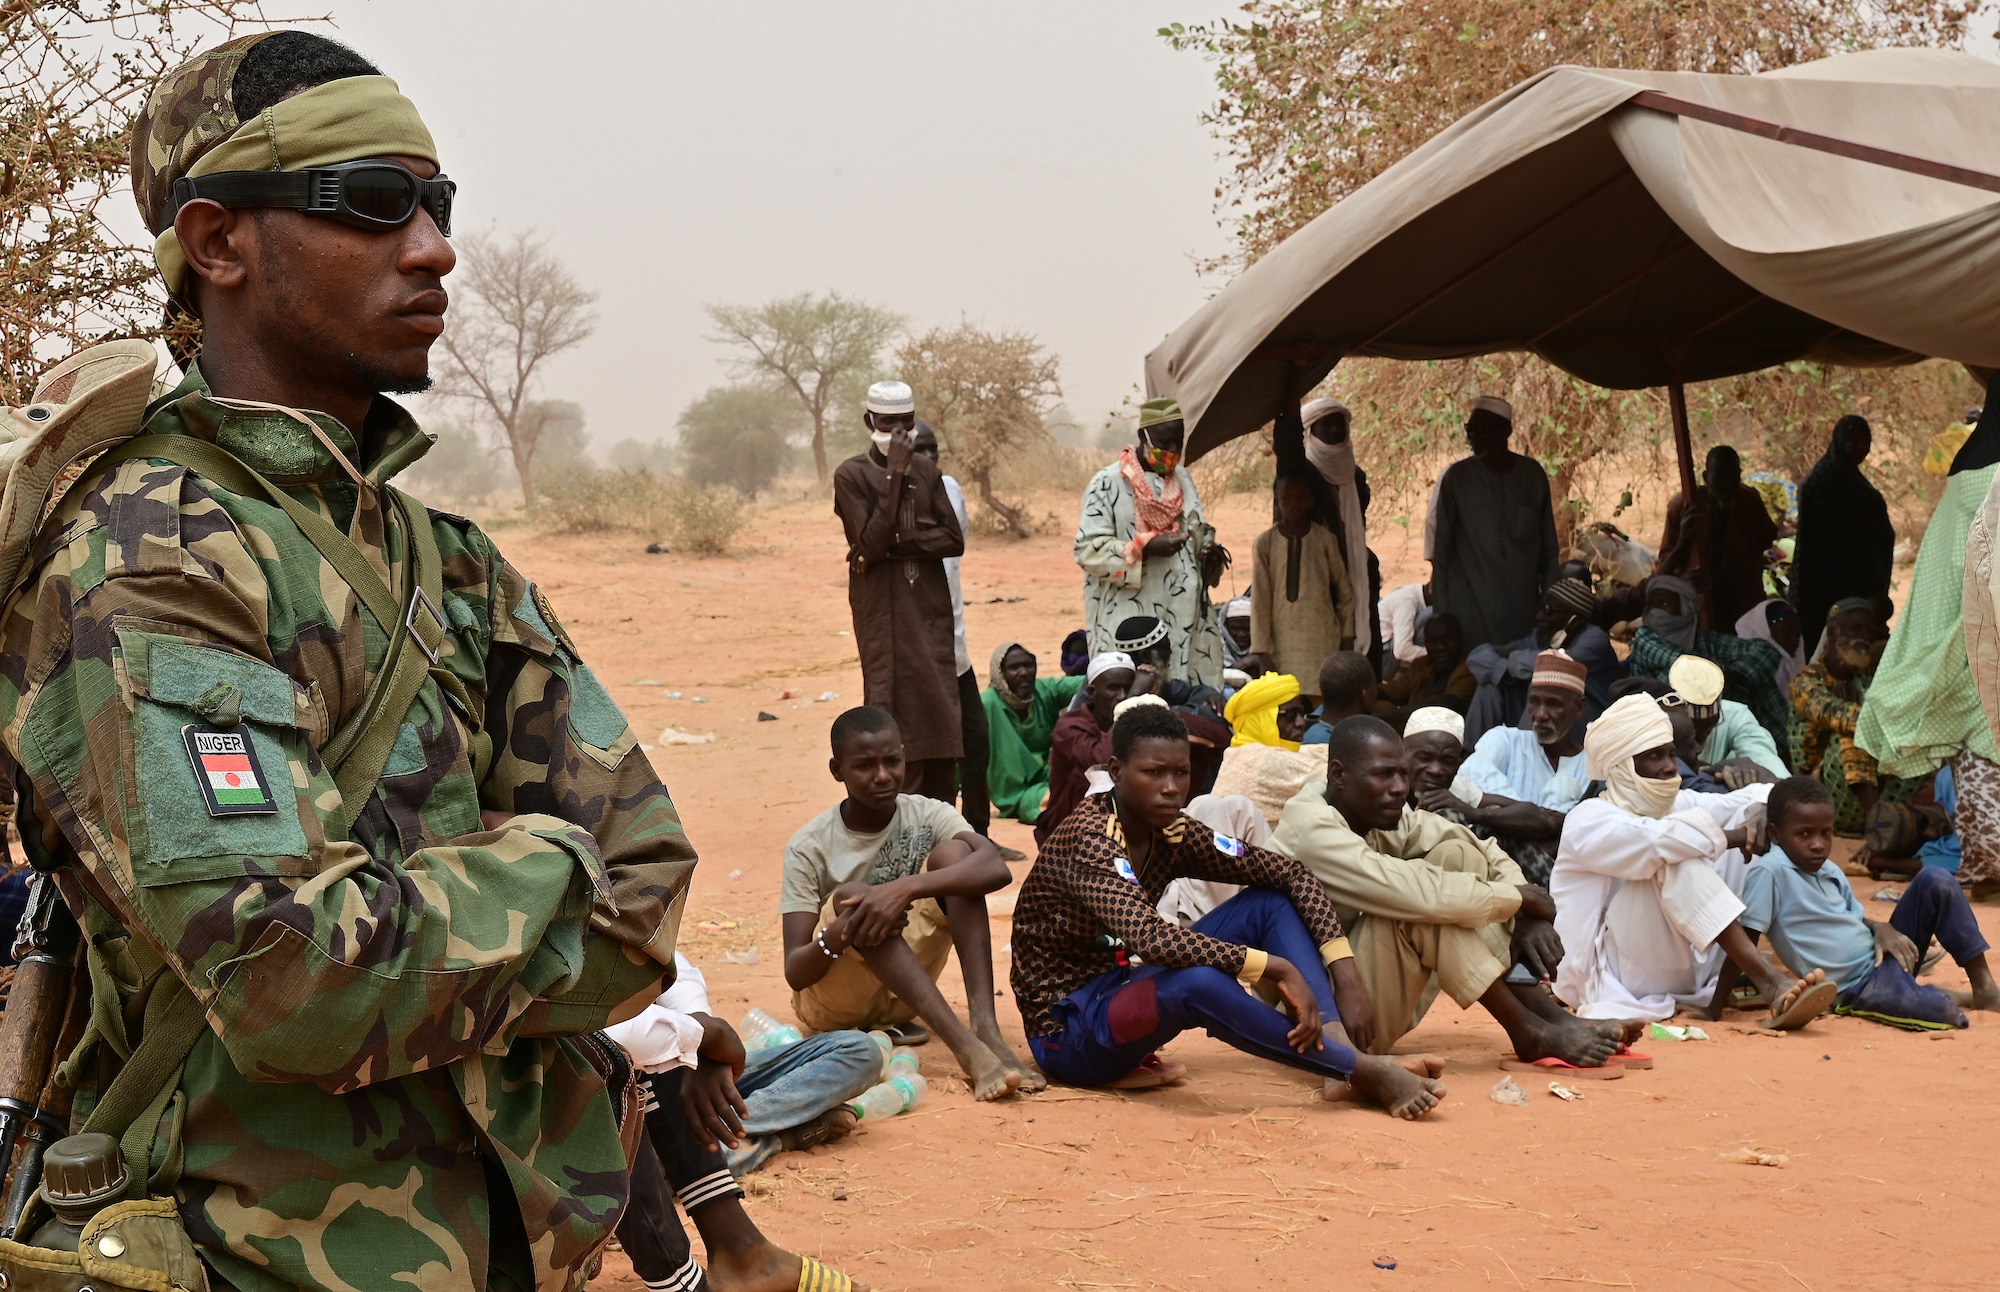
<point>814,1277</point>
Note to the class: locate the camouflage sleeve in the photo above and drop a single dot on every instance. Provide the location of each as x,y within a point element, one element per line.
<point>315,960</point>
<point>562,748</point>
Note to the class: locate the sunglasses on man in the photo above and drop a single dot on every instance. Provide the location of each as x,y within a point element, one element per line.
<point>366,194</point>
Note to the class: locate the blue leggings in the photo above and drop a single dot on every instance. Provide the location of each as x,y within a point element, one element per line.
<point>1106,1027</point>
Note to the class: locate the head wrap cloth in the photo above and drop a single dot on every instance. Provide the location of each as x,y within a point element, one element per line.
<point>1253,710</point>
<point>1106,661</point>
<point>1435,718</point>
<point>1631,725</point>
<point>190,129</point>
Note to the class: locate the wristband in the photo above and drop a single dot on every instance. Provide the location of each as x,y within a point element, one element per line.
<point>1336,950</point>
<point>819,940</point>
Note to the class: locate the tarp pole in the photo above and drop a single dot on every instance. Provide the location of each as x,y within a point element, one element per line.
<point>1683,440</point>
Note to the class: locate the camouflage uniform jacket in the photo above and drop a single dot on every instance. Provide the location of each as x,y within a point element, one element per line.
<point>390,1007</point>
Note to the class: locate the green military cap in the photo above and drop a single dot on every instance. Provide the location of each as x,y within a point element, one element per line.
<point>1155,411</point>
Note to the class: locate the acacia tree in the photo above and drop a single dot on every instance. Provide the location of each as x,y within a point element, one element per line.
<point>738,435</point>
<point>72,77</point>
<point>813,346</point>
<point>515,307</point>
<point>1317,97</point>
<point>984,393</point>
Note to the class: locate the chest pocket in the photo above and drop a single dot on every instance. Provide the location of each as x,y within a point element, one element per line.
<point>172,684</point>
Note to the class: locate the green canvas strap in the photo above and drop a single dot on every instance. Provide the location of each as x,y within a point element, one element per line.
<point>133,1103</point>
<point>357,753</point>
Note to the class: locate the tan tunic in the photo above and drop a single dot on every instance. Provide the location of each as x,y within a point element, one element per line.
<point>1301,601</point>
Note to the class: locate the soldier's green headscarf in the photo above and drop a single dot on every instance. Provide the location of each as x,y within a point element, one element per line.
<point>190,128</point>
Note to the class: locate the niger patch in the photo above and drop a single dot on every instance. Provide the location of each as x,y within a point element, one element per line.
<point>225,766</point>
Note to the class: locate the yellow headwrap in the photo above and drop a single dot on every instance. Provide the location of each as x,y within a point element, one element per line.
<point>1253,710</point>
<point>346,120</point>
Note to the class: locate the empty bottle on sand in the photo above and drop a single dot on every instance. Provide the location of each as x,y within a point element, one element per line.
<point>760,1031</point>
<point>885,1099</point>
<point>902,1063</point>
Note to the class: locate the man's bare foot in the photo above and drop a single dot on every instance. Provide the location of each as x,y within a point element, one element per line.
<point>1395,1087</point>
<point>1622,1030</point>
<point>1585,1044</point>
<point>1988,998</point>
<point>1782,1001</point>
<point>1031,1076</point>
<point>769,1268</point>
<point>991,1076</point>
<point>1429,1066</point>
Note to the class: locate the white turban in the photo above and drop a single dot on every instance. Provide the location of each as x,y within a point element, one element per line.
<point>1631,726</point>
<point>1102,664</point>
<point>1435,718</point>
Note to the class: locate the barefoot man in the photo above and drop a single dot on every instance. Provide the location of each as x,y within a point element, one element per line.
<point>1431,906</point>
<point>1648,884</point>
<point>1086,920</point>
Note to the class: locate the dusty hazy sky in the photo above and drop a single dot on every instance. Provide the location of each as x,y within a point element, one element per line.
<point>1033,165</point>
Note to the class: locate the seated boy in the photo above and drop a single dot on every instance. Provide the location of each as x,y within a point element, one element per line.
<point>1087,917</point>
<point>1802,900</point>
<point>878,890</point>
<point>793,1097</point>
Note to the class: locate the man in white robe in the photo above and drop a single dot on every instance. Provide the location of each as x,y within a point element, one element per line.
<point>1647,885</point>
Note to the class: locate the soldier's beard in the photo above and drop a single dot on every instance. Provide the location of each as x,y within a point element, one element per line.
<point>384,381</point>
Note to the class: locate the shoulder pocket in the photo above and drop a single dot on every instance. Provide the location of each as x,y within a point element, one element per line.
<point>596,724</point>
<point>172,684</point>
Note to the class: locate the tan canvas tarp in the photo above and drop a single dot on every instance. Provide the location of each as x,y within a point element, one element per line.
<point>1631,245</point>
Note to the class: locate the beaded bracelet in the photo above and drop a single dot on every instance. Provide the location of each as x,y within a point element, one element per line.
<point>819,940</point>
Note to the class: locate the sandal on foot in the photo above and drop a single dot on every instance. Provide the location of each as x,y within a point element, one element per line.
<point>1609,1072</point>
<point>911,1033</point>
<point>1807,1006</point>
<point>831,1125</point>
<point>814,1277</point>
<point>1627,1057</point>
<point>1152,1073</point>
<point>1011,854</point>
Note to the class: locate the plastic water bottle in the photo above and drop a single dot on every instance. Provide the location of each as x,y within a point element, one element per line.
<point>878,1103</point>
<point>760,1031</point>
<point>887,1047</point>
<point>912,1088</point>
<point>902,1063</point>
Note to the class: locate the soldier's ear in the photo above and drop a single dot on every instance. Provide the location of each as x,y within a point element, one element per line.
<point>216,242</point>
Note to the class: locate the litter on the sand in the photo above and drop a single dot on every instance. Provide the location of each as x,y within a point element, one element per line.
<point>1385,1262</point>
<point>647,681</point>
<point>1508,1091</point>
<point>1751,1157</point>
<point>695,699</point>
<point>1887,895</point>
<point>1668,1032</point>
<point>766,717</point>
<point>1562,1091</point>
<point>671,736</point>
<point>736,873</point>
<point>824,696</point>
<point>788,694</point>
<point>673,695</point>
<point>741,957</point>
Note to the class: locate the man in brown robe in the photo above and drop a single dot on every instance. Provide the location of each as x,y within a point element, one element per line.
<point>900,527</point>
<point>1717,541</point>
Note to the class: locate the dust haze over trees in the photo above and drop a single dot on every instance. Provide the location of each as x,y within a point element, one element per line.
<point>815,346</point>
<point>740,435</point>
<point>985,394</point>
<point>514,307</point>
<point>72,77</point>
<point>1317,97</point>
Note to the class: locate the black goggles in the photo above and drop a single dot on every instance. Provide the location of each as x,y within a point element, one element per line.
<point>366,194</point>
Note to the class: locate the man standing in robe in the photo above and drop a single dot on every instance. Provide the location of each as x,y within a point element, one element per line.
<point>1718,540</point>
<point>975,798</point>
<point>1494,549</point>
<point>1146,551</point>
<point>900,526</point>
<point>1846,545</point>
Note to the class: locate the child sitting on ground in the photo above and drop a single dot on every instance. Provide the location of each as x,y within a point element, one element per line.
<point>1803,901</point>
<point>878,891</point>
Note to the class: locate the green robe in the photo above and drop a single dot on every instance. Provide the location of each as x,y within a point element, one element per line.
<point>1017,770</point>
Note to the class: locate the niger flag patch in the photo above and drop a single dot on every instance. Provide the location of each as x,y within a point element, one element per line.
<point>225,766</point>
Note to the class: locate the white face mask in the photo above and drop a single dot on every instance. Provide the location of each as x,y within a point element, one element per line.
<point>882,439</point>
<point>1643,795</point>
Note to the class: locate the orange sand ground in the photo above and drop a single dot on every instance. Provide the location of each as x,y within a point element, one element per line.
<point>1239,1178</point>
